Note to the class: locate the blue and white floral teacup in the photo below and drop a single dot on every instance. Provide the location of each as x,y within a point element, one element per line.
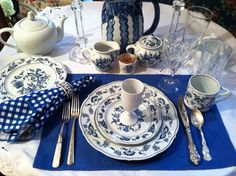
<point>203,92</point>
<point>127,63</point>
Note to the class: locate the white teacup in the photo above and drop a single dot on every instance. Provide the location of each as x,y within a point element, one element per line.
<point>131,97</point>
<point>127,63</point>
<point>203,91</point>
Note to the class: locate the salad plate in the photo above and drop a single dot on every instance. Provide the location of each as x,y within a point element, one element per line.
<point>30,73</point>
<point>101,141</point>
<point>107,119</point>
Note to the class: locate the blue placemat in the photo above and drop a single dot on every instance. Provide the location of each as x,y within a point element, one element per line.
<point>174,158</point>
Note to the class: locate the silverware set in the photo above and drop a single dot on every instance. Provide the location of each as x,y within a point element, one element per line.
<point>70,110</point>
<point>197,120</point>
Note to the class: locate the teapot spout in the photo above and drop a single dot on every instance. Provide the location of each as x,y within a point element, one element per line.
<point>60,29</point>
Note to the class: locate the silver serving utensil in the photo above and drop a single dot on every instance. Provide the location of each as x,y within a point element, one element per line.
<point>74,114</point>
<point>194,156</point>
<point>65,119</point>
<point>198,121</point>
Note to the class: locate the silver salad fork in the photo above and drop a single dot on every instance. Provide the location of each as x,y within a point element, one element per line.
<point>74,115</point>
<point>65,119</point>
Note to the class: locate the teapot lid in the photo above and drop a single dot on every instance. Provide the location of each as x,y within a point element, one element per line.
<point>31,23</point>
<point>150,42</point>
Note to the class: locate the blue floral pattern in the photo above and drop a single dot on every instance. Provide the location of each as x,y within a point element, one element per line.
<point>149,58</point>
<point>108,121</point>
<point>35,80</point>
<point>128,69</point>
<point>160,142</point>
<point>29,78</point>
<point>105,63</point>
<point>202,102</point>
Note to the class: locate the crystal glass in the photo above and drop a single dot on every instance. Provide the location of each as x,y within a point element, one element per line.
<point>81,41</point>
<point>176,53</point>
<point>178,6</point>
<point>197,21</point>
<point>215,55</point>
<point>180,45</point>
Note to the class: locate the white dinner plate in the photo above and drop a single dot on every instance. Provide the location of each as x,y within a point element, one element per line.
<point>30,73</point>
<point>157,144</point>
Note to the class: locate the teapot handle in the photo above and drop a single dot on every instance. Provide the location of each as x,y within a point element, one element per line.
<point>9,30</point>
<point>156,18</point>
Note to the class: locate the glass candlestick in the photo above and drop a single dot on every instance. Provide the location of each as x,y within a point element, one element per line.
<point>178,6</point>
<point>81,41</point>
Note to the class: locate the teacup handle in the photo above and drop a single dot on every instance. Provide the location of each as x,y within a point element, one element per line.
<point>222,96</point>
<point>9,30</point>
<point>85,51</point>
<point>133,47</point>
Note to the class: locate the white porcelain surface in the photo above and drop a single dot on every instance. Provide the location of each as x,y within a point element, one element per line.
<point>27,74</point>
<point>131,93</point>
<point>103,54</point>
<point>147,49</point>
<point>127,63</point>
<point>35,35</point>
<point>203,91</point>
<point>158,144</point>
<point>108,121</point>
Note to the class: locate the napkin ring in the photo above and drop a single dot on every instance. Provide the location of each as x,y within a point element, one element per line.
<point>67,89</point>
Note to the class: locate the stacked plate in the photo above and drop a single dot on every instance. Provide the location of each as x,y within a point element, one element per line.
<point>27,74</point>
<point>153,133</point>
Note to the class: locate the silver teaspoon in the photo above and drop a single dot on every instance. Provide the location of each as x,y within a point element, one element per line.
<point>198,121</point>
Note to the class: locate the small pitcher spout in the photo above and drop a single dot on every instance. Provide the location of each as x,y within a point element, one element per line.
<point>115,46</point>
<point>60,29</point>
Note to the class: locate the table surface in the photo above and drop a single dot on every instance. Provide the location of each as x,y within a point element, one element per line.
<point>27,151</point>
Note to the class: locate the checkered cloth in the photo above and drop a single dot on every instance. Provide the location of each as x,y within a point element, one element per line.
<point>23,117</point>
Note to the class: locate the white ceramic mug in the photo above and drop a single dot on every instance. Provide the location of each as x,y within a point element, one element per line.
<point>203,91</point>
<point>131,97</point>
<point>127,63</point>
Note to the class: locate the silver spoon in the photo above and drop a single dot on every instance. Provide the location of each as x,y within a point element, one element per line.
<point>198,121</point>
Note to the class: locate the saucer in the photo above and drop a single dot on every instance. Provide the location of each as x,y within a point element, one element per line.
<point>28,74</point>
<point>156,145</point>
<point>107,118</point>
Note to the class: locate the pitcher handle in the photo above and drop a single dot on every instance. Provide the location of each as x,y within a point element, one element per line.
<point>156,18</point>
<point>87,53</point>
<point>222,96</point>
<point>9,30</point>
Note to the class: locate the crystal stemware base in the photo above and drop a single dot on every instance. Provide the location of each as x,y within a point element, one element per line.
<point>169,84</point>
<point>76,55</point>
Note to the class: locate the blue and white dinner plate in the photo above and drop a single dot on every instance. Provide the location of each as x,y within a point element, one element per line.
<point>107,118</point>
<point>101,141</point>
<point>30,73</point>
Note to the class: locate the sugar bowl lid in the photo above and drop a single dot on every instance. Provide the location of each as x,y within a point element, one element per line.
<point>150,42</point>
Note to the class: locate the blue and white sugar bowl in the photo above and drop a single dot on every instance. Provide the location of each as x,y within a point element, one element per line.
<point>147,48</point>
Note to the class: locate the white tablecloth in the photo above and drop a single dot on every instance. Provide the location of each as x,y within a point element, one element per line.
<point>23,154</point>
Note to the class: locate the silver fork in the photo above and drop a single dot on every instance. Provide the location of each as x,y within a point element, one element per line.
<point>74,116</point>
<point>65,119</point>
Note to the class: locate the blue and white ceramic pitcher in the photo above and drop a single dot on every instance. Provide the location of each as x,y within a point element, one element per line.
<point>122,21</point>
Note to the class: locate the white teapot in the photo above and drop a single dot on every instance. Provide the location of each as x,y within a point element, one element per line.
<point>35,35</point>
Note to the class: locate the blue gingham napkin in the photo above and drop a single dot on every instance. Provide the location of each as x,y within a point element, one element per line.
<point>23,117</point>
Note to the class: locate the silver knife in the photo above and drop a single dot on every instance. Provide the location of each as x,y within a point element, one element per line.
<point>194,156</point>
